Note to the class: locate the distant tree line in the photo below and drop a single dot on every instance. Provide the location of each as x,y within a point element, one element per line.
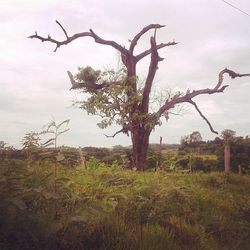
<point>239,147</point>
<point>192,154</point>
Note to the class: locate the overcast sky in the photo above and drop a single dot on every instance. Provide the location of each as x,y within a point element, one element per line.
<point>34,86</point>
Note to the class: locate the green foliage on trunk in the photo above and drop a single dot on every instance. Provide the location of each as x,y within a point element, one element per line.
<point>114,103</point>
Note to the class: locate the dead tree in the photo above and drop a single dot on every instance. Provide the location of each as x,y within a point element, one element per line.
<point>138,121</point>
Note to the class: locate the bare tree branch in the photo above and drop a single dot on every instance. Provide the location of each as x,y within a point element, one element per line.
<point>107,42</point>
<point>124,130</point>
<point>64,31</point>
<point>151,74</point>
<point>142,32</point>
<point>59,43</point>
<point>178,98</point>
<point>116,133</point>
<point>200,113</point>
<point>149,51</point>
<point>231,73</point>
<point>78,35</point>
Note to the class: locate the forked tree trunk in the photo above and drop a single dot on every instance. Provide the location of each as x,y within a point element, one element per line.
<point>140,141</point>
<point>227,158</point>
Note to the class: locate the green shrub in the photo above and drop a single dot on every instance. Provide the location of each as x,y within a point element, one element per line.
<point>104,207</point>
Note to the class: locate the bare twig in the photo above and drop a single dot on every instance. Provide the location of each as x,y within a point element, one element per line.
<point>59,43</point>
<point>64,31</point>
<point>125,129</point>
<point>200,113</point>
<point>142,32</point>
<point>116,133</point>
<point>149,51</point>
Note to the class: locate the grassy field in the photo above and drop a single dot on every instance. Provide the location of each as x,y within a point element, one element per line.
<point>110,208</point>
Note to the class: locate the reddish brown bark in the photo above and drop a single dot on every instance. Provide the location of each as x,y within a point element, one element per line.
<point>140,143</point>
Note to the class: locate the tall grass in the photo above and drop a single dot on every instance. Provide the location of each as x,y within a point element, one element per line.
<point>111,208</point>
